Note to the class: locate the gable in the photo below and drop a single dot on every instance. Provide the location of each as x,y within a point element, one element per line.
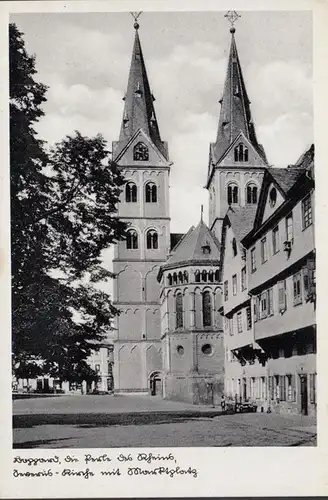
<point>273,200</point>
<point>140,151</point>
<point>241,153</point>
<point>230,262</point>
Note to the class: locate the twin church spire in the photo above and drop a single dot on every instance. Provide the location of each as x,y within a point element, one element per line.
<point>139,110</point>
<point>235,115</point>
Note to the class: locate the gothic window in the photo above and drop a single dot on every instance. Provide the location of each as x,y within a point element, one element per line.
<point>132,240</point>
<point>204,276</point>
<point>169,279</point>
<point>241,153</point>
<point>211,276</point>
<point>185,277</point>
<point>151,192</point>
<point>131,192</point>
<point>207,309</point>
<point>197,276</point>
<point>234,247</point>
<point>175,278</point>
<point>180,275</point>
<point>152,240</point>
<point>251,194</point>
<point>140,152</point>
<point>179,310</point>
<point>233,194</point>
<point>217,275</point>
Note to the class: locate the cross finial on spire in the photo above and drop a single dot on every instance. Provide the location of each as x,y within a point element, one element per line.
<point>232,17</point>
<point>135,16</point>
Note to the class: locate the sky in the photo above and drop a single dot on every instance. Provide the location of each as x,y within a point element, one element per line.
<point>85,60</point>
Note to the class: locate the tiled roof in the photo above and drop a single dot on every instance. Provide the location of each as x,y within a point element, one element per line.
<point>286,177</point>
<point>190,246</point>
<point>174,239</point>
<point>306,159</point>
<point>242,220</point>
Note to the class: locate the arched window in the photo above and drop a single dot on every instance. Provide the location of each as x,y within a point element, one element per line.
<point>185,277</point>
<point>207,309</point>
<point>211,276</point>
<point>151,192</point>
<point>180,276</point>
<point>152,240</point>
<point>251,194</point>
<point>131,192</point>
<point>179,310</point>
<point>175,278</point>
<point>217,275</point>
<point>204,275</point>
<point>132,239</point>
<point>169,279</point>
<point>197,276</point>
<point>234,247</point>
<point>241,153</point>
<point>140,152</point>
<point>233,194</point>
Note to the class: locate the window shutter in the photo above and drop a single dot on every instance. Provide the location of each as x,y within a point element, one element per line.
<point>306,284</point>
<point>312,388</point>
<point>282,295</point>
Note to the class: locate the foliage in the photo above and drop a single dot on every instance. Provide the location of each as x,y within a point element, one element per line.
<point>63,212</point>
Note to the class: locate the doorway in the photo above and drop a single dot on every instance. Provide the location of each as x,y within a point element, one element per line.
<point>244,390</point>
<point>304,394</point>
<point>155,380</point>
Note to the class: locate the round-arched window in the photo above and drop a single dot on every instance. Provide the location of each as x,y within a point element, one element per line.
<point>180,350</point>
<point>233,194</point>
<point>131,192</point>
<point>251,194</point>
<point>207,349</point>
<point>152,240</point>
<point>151,192</point>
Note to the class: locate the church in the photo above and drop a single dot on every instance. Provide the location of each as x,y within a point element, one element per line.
<point>173,334</point>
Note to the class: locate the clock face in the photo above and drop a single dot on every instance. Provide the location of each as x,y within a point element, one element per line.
<point>273,197</point>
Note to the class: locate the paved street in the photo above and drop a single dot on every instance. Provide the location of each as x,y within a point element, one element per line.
<point>143,421</point>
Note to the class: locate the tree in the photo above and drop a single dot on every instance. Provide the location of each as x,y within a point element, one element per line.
<point>63,210</point>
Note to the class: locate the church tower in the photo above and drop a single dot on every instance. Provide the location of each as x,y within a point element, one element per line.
<point>236,159</point>
<point>144,205</point>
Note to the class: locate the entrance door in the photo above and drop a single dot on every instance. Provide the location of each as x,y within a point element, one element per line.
<point>156,384</point>
<point>304,394</point>
<point>244,390</point>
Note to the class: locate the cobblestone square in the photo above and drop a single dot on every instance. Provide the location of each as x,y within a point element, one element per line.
<point>143,421</point>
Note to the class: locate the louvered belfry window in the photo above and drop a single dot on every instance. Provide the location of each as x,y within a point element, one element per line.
<point>140,152</point>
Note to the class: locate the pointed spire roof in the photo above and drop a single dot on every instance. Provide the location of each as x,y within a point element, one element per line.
<point>139,111</point>
<point>235,114</point>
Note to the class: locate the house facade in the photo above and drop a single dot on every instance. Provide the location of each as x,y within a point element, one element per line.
<point>273,361</point>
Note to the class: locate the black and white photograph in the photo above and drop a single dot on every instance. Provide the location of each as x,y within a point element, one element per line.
<point>163,251</point>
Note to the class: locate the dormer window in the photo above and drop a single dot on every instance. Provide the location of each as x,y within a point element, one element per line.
<point>206,249</point>
<point>140,152</point>
<point>138,92</point>
<point>241,153</point>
